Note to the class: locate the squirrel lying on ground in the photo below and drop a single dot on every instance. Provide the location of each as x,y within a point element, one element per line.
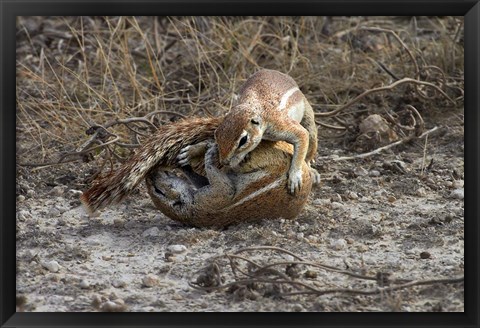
<point>162,149</point>
<point>253,190</point>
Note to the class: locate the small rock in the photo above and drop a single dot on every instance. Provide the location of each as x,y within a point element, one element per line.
<point>360,171</point>
<point>336,198</point>
<point>392,199</point>
<point>457,194</point>
<point>119,223</point>
<point>177,297</point>
<point>320,202</point>
<point>374,173</point>
<point>150,280</point>
<point>84,284</point>
<point>380,193</point>
<point>54,212</point>
<point>152,232</point>
<point>57,191</point>
<point>337,206</point>
<point>119,283</point>
<point>51,266</point>
<point>30,193</point>
<point>421,192</point>
<point>20,198</point>
<point>309,274</point>
<point>457,184</point>
<point>425,255</point>
<point>352,195</point>
<point>362,248</point>
<point>117,305</point>
<point>349,240</point>
<point>176,249</point>
<point>297,308</point>
<point>339,244</point>
<point>74,193</point>
<point>23,214</point>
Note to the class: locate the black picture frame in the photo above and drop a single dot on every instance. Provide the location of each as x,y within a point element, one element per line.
<point>10,9</point>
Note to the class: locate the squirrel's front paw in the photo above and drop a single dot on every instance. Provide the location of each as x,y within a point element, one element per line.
<point>184,156</point>
<point>294,181</point>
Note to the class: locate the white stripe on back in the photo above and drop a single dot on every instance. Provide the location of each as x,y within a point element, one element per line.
<point>286,96</point>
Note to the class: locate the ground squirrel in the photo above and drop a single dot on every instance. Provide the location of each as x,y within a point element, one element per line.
<point>270,107</point>
<point>253,190</point>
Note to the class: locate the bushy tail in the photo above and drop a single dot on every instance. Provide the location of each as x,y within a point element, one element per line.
<point>159,150</point>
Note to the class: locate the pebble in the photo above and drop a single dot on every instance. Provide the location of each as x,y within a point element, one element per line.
<point>392,199</point>
<point>336,198</point>
<point>150,280</point>
<point>20,198</point>
<point>360,171</point>
<point>425,255</point>
<point>57,191</point>
<point>379,193</point>
<point>421,192</point>
<point>176,249</point>
<point>119,223</point>
<point>23,214</point>
<point>297,308</point>
<point>374,173</point>
<point>337,206</point>
<point>152,232</point>
<point>30,193</point>
<point>74,193</point>
<point>320,202</point>
<point>119,283</point>
<point>84,284</point>
<point>457,194</point>
<point>54,212</point>
<point>51,266</point>
<point>352,195</point>
<point>339,244</point>
<point>457,184</point>
<point>362,248</point>
<point>117,305</point>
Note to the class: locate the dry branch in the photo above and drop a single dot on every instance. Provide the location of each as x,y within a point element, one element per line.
<point>272,273</point>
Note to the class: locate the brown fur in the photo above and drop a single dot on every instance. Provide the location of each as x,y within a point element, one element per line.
<point>161,149</point>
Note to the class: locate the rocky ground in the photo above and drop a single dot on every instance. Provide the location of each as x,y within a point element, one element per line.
<point>380,214</point>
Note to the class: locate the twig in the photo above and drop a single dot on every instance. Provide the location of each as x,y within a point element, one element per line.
<point>379,89</point>
<point>378,150</point>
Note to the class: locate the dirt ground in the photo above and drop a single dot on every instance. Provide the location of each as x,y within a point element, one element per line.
<point>397,214</point>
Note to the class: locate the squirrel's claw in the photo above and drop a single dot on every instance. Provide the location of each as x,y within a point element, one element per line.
<point>183,157</point>
<point>294,181</point>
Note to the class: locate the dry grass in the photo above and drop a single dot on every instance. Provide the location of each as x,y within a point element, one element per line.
<point>77,72</point>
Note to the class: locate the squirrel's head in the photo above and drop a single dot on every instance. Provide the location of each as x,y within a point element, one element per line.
<point>238,134</point>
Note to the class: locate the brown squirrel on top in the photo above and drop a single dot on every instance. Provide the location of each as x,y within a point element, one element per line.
<point>270,107</point>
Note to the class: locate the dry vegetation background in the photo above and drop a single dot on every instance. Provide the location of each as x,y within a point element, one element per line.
<point>91,89</point>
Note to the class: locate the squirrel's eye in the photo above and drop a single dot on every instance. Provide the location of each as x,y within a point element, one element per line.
<point>254,121</point>
<point>243,141</point>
